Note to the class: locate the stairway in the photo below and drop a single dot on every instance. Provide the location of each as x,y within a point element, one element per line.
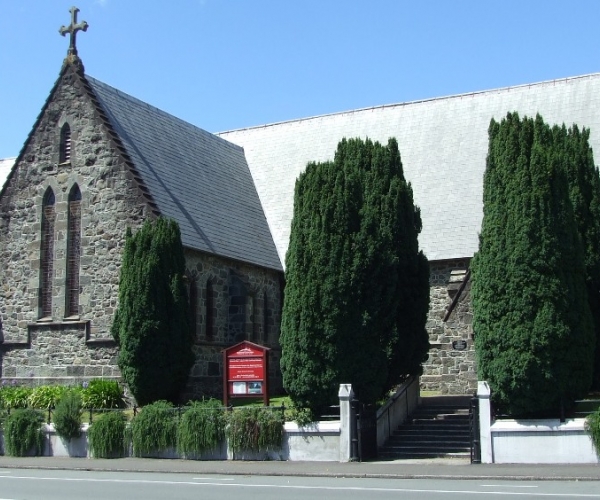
<point>439,428</point>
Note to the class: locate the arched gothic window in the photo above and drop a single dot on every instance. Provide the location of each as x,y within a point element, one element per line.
<point>210,305</point>
<point>73,252</point>
<point>47,253</point>
<point>65,144</point>
<point>265,317</point>
<point>193,292</point>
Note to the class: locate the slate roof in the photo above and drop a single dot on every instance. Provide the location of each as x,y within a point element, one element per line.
<point>443,143</point>
<point>194,177</point>
<point>5,166</point>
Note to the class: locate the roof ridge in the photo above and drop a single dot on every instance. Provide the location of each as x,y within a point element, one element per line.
<point>416,101</point>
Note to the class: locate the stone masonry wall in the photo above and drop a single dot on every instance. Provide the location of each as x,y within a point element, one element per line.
<point>79,346</point>
<point>450,368</point>
<point>33,350</point>
<point>246,306</point>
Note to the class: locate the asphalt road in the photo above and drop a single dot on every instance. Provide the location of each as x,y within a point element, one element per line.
<point>35,484</point>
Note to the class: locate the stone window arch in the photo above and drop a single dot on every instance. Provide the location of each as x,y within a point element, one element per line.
<point>47,253</point>
<point>64,155</point>
<point>73,252</point>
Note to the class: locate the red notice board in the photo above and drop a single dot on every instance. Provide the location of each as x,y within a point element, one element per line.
<point>246,372</point>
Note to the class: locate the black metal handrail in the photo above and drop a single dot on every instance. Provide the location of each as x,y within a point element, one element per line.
<point>474,430</point>
<point>389,403</point>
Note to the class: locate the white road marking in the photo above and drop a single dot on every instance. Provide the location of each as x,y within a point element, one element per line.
<point>213,479</point>
<point>300,487</point>
<point>507,486</point>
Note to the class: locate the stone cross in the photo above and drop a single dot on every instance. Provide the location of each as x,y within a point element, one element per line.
<point>72,29</point>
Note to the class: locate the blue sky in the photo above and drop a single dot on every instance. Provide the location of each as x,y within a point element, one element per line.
<point>227,64</point>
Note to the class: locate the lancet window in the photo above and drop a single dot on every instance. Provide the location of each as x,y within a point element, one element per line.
<point>47,253</point>
<point>73,252</point>
<point>65,144</point>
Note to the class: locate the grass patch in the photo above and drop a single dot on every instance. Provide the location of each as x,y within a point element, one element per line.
<point>274,401</point>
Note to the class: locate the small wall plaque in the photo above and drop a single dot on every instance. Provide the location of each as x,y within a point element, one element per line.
<point>459,345</point>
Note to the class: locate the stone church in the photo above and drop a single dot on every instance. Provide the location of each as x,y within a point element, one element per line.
<point>98,161</point>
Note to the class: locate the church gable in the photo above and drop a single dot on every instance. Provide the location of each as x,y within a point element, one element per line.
<point>65,209</point>
<point>86,174</point>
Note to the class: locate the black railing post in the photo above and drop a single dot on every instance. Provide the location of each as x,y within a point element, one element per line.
<point>389,424</point>
<point>354,437</point>
<point>474,428</point>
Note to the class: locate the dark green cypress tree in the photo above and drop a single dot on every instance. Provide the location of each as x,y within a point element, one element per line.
<point>151,325</point>
<point>533,330</point>
<point>584,193</point>
<point>348,315</point>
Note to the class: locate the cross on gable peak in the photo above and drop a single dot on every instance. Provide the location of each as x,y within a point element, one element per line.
<point>72,29</point>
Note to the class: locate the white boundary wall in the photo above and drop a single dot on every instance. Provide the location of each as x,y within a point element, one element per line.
<point>319,441</point>
<point>548,441</point>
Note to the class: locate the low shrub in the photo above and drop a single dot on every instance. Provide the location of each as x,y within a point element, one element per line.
<point>23,432</point>
<point>592,426</point>
<point>14,396</point>
<point>106,436</point>
<point>255,429</point>
<point>101,393</point>
<point>154,429</point>
<point>201,428</point>
<point>67,415</point>
<point>45,396</point>
<point>302,416</point>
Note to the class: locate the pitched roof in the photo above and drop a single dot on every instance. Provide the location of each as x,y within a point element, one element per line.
<point>443,143</point>
<point>200,180</point>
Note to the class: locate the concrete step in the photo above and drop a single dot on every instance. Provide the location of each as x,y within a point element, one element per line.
<point>428,446</point>
<point>439,428</point>
<point>429,438</point>
<point>455,401</point>
<point>456,412</point>
<point>383,455</point>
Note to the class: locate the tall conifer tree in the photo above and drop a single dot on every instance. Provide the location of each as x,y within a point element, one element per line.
<point>151,325</point>
<point>357,293</point>
<point>584,192</point>
<point>532,324</point>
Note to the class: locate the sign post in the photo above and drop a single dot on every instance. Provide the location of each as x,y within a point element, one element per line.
<point>246,372</point>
